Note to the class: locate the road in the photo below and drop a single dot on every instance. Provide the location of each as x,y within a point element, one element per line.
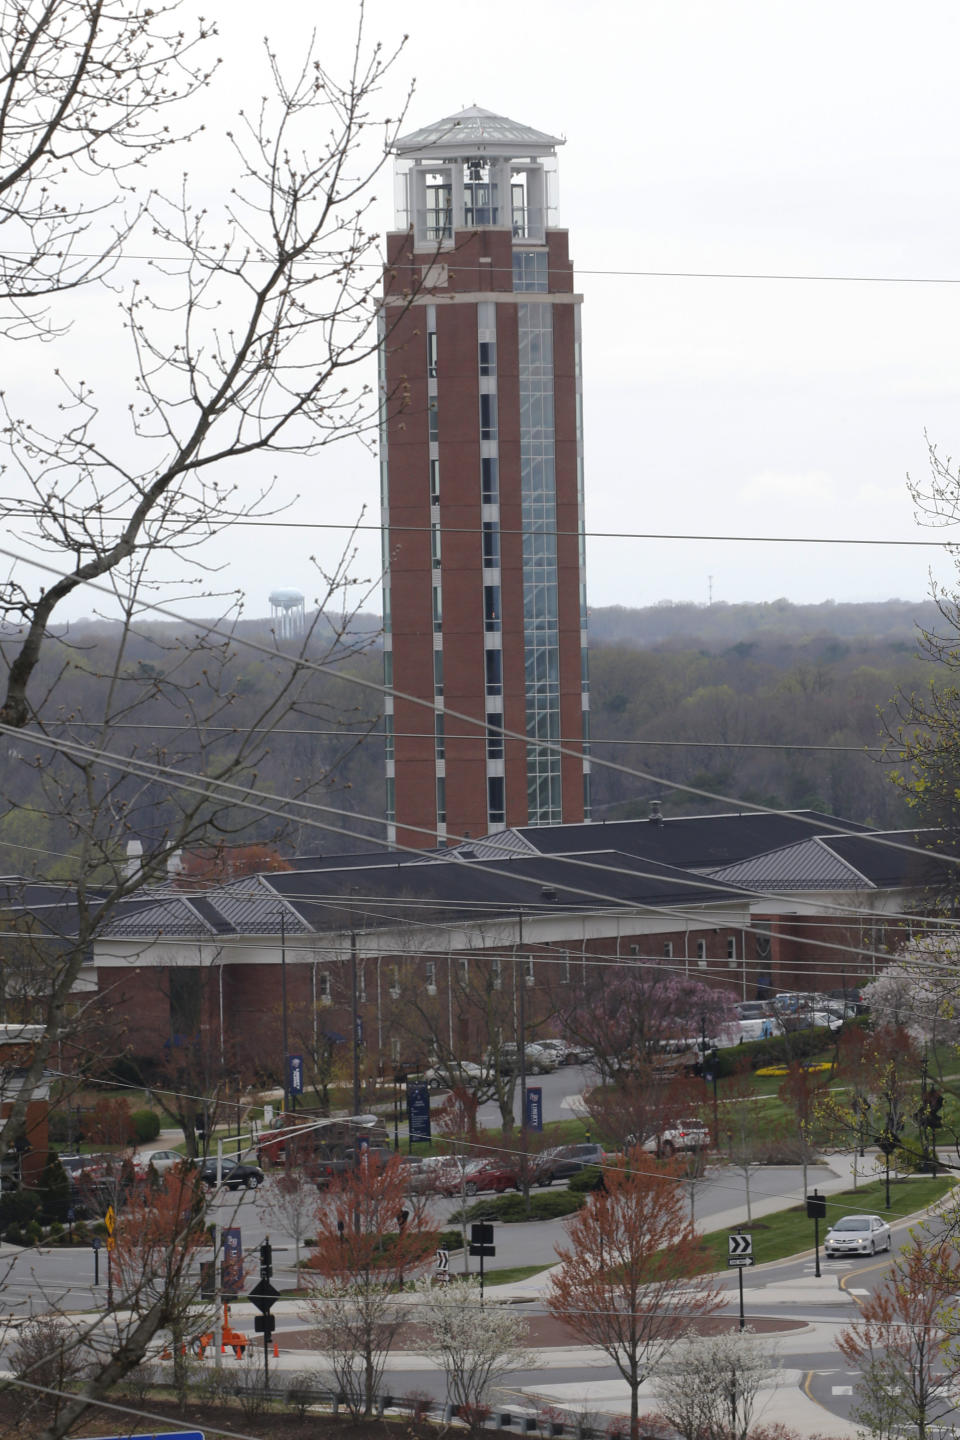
<point>817,1390</point>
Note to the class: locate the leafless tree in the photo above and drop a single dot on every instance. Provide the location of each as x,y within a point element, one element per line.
<point>245,331</point>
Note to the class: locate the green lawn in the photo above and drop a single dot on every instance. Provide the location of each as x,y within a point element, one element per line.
<point>788,1232</point>
<point>507,1277</point>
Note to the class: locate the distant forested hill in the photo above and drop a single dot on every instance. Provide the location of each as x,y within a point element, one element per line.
<point>773,703</point>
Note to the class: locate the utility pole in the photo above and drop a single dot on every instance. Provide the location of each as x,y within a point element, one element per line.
<point>283,1001</point>
<point>355,1015</point>
<point>522,1050</point>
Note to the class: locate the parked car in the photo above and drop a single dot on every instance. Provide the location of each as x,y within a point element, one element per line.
<point>565,1052</point>
<point>538,1061</point>
<point>158,1160</point>
<point>324,1170</point>
<point>435,1175</point>
<point>857,1235</point>
<point>681,1135</point>
<point>562,1161</point>
<point>235,1174</point>
<point>465,1073</point>
<point>488,1175</point>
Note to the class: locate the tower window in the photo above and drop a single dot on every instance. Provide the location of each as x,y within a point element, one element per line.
<point>438,734</point>
<point>435,545</point>
<point>491,607</point>
<point>494,671</point>
<point>488,357</point>
<point>432,354</point>
<point>388,737</point>
<point>435,482</point>
<point>437,610</point>
<point>433,419</point>
<point>441,800</point>
<point>391,805</point>
<point>494,735</point>
<point>438,672</point>
<point>530,270</point>
<point>489,481</point>
<point>491,545</point>
<point>488,417</point>
<point>496,805</point>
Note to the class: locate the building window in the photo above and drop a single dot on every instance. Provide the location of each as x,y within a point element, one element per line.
<point>494,671</point>
<point>395,1049</point>
<point>432,354</point>
<point>731,948</point>
<point>441,800</point>
<point>395,983</point>
<point>388,737</point>
<point>496,804</point>
<point>527,970</point>
<point>391,803</point>
<point>437,610</point>
<point>488,357</point>
<point>488,417</point>
<point>496,973</point>
<point>433,419</point>
<point>701,952</point>
<point>434,482</point>
<point>491,607</point>
<point>464,970</point>
<point>668,950</point>
<point>430,967</point>
<point>564,972</point>
<point>438,672</point>
<point>530,270</point>
<point>489,481</point>
<point>438,735</point>
<point>362,983</point>
<point>494,735</point>
<point>388,668</point>
<point>491,545</point>
<point>324,994</point>
<point>435,545</point>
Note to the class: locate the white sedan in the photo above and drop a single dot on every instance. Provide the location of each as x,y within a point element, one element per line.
<point>857,1235</point>
<point>458,1072</point>
<point>161,1160</point>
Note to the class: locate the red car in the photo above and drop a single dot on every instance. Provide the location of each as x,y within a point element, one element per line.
<point>482,1175</point>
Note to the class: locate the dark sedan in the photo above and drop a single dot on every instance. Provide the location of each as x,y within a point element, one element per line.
<point>565,1160</point>
<point>235,1174</point>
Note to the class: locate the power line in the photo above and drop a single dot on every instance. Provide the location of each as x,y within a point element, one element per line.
<point>380,688</point>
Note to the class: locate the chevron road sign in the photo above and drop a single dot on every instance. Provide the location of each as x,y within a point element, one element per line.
<point>739,1251</point>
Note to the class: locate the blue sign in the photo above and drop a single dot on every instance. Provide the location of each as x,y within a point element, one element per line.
<point>162,1435</point>
<point>534,1107</point>
<point>418,1111</point>
<point>295,1074</point>
<point>231,1275</point>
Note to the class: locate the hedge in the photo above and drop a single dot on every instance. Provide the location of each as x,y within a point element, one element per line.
<point>146,1125</point>
<point>511,1208</point>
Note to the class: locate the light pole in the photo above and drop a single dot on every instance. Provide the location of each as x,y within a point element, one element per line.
<point>283,1002</point>
<point>355,1018</point>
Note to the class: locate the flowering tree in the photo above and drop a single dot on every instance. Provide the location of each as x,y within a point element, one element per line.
<point>369,1241</point>
<point>628,1279</point>
<point>905,1344</point>
<point>707,1386</point>
<point>920,991</point>
<point>478,1345</point>
<point>632,1017</point>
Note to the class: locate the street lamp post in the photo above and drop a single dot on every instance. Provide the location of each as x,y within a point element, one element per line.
<point>283,1003</point>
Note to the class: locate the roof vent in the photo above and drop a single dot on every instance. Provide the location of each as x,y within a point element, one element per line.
<point>548,893</point>
<point>655,816</point>
<point>467,852</point>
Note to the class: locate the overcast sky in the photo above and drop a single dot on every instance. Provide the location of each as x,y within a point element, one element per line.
<point>757,138</point>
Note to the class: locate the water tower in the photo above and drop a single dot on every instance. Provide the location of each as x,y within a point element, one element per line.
<point>287,613</point>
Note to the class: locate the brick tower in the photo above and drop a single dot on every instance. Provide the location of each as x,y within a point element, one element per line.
<point>482,488</point>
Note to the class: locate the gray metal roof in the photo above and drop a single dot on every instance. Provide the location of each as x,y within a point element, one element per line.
<point>475,131</point>
<point>807,865</point>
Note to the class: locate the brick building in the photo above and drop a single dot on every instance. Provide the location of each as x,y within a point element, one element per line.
<point>752,903</point>
<point>482,489</point>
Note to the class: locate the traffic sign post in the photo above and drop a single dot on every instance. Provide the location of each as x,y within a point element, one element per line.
<point>264,1295</point>
<point>739,1257</point>
<point>481,1244</point>
<point>816,1211</point>
<point>443,1265</point>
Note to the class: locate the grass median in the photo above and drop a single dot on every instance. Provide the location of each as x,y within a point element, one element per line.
<point>789,1232</point>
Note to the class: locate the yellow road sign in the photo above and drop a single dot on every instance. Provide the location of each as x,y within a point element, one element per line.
<point>110,1220</point>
